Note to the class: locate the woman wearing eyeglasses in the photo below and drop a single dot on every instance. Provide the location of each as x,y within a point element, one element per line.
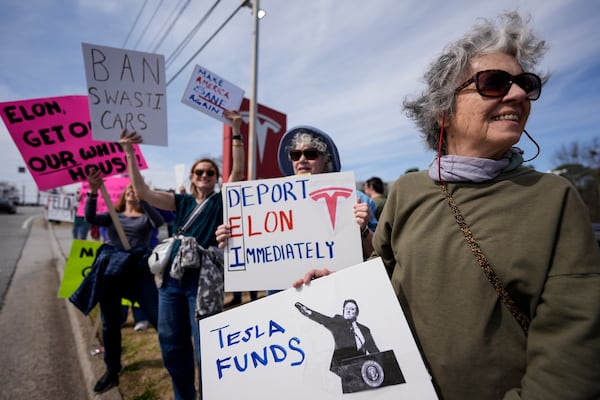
<point>177,323</point>
<point>494,263</point>
<point>308,150</point>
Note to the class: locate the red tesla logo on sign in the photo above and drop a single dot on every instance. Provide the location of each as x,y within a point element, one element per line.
<point>331,196</point>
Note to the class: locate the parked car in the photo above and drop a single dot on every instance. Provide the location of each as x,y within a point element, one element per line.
<point>7,205</point>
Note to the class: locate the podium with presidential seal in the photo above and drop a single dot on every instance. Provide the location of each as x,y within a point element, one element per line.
<point>369,372</point>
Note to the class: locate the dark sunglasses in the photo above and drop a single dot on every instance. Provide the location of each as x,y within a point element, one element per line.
<point>200,172</point>
<point>497,83</point>
<point>309,154</point>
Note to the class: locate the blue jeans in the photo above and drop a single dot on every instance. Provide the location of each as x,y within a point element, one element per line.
<point>177,327</point>
<point>80,228</point>
<point>137,285</point>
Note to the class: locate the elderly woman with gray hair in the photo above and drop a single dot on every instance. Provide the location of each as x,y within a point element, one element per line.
<point>308,150</point>
<point>494,263</point>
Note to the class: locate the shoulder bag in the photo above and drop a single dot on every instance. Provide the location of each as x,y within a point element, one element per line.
<point>485,265</point>
<point>161,254</point>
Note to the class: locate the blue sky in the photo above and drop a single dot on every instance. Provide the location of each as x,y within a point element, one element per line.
<point>339,65</point>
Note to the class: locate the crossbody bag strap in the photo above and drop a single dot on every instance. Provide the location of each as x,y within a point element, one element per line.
<point>484,263</point>
<point>190,219</point>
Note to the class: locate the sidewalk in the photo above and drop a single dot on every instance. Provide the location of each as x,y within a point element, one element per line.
<point>82,326</point>
<point>144,374</point>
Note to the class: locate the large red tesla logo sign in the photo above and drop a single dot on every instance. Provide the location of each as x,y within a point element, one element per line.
<point>271,125</point>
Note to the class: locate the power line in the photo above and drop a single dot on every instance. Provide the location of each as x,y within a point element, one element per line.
<point>148,24</point>
<point>159,32</point>
<point>174,21</point>
<point>135,23</point>
<point>206,43</point>
<point>189,36</point>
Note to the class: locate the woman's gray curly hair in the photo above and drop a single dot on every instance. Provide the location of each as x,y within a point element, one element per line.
<point>512,36</point>
<point>308,140</point>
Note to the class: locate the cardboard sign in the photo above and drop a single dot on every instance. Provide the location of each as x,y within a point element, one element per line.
<point>284,227</point>
<point>114,186</point>
<point>179,175</point>
<point>211,94</point>
<point>61,207</point>
<point>82,256</point>
<point>79,263</point>
<point>127,90</point>
<point>53,135</point>
<point>299,344</point>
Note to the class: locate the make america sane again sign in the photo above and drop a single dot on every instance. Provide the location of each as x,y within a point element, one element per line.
<point>126,90</point>
<point>211,94</point>
<point>297,344</point>
<point>283,227</point>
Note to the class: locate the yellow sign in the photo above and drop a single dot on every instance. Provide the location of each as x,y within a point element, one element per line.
<point>79,263</point>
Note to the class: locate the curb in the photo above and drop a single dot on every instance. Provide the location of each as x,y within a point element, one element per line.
<point>83,333</point>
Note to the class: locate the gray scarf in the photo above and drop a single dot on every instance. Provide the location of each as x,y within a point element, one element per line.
<point>472,169</point>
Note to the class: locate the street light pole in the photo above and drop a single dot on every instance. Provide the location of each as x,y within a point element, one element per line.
<point>253,100</point>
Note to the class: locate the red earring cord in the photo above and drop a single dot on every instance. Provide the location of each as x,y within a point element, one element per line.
<point>439,155</point>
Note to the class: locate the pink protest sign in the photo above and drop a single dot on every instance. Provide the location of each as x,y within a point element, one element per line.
<point>54,137</point>
<point>114,186</point>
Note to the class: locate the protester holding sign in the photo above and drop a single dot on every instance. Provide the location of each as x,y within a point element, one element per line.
<point>533,333</point>
<point>127,275</point>
<point>177,297</point>
<point>306,150</point>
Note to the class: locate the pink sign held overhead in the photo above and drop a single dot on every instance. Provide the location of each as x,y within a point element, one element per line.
<point>115,186</point>
<point>54,137</point>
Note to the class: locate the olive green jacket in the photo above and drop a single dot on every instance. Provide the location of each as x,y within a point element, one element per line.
<point>537,235</point>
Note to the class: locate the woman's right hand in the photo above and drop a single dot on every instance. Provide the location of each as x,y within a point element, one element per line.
<point>311,276</point>
<point>95,180</point>
<point>223,233</point>
<point>236,120</point>
<point>129,138</point>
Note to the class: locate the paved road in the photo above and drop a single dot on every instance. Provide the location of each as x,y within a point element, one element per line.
<point>44,340</point>
<point>12,239</point>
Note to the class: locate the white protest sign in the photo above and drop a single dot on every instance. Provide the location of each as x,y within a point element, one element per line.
<point>284,227</point>
<point>126,90</point>
<point>211,94</point>
<point>298,344</point>
<point>179,175</point>
<point>61,207</point>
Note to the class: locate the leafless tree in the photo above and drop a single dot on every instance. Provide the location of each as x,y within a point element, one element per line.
<point>580,163</point>
<point>586,154</point>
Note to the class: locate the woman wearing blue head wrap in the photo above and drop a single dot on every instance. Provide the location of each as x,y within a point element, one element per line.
<point>308,150</point>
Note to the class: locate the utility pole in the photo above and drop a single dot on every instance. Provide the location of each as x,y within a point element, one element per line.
<point>253,96</point>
